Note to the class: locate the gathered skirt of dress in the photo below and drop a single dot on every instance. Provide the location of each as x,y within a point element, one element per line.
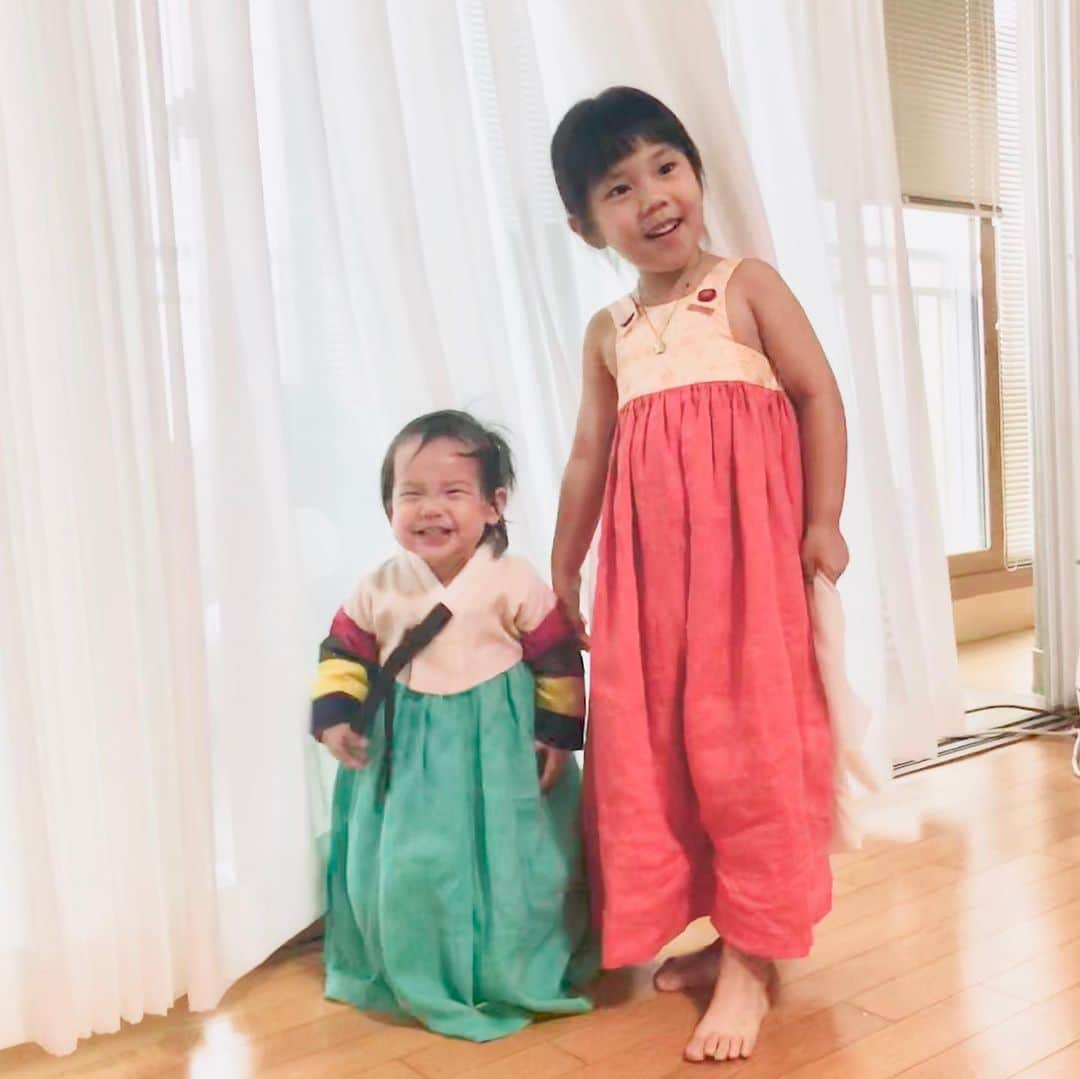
<point>460,898</point>
<point>708,785</point>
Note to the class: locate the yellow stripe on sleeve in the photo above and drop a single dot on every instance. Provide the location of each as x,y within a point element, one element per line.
<point>338,675</point>
<point>564,695</point>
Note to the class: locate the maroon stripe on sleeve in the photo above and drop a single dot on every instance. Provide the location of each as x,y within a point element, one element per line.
<point>356,640</point>
<point>554,629</point>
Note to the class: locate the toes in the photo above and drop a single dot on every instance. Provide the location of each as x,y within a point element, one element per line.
<point>723,1047</point>
<point>695,1048</point>
<point>695,1051</point>
<point>736,1049</point>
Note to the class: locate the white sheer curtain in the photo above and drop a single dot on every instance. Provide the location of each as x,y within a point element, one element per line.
<point>244,242</point>
<point>154,827</point>
<point>1049,60</point>
<point>812,85</point>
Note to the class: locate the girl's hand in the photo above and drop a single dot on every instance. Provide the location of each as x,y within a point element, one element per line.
<point>552,761</point>
<point>824,551</point>
<point>346,745</point>
<point>568,591</point>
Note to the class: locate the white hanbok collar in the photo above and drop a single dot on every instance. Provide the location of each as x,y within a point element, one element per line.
<point>472,572</point>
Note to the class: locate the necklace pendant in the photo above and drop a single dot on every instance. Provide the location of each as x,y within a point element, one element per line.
<point>660,347</point>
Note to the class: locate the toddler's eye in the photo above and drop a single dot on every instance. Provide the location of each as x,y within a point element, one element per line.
<point>668,166</point>
<point>617,190</point>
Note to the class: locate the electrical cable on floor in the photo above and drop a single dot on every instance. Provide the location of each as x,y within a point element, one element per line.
<point>1009,730</point>
<point>958,746</point>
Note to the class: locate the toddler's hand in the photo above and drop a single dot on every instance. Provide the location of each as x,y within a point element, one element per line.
<point>568,590</point>
<point>824,550</point>
<point>346,745</point>
<point>552,761</point>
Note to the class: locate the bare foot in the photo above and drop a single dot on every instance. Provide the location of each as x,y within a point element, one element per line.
<point>691,971</point>
<point>729,1028</point>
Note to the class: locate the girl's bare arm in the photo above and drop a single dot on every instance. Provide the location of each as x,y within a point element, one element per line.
<point>582,492</point>
<point>789,341</point>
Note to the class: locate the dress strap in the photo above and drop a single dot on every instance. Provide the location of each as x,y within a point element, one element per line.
<point>719,277</point>
<point>721,273</point>
<point>622,313</point>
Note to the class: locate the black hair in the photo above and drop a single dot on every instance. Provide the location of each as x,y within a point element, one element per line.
<point>486,446</point>
<point>599,132</point>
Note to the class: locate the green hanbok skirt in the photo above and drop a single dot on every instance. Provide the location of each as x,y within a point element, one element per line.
<point>459,898</point>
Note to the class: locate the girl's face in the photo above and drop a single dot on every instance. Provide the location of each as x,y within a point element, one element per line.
<point>649,209</point>
<point>438,508</point>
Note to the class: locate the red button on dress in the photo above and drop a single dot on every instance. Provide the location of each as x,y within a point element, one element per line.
<point>707,294</point>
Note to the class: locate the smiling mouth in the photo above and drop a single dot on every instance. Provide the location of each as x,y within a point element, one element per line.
<point>432,532</point>
<point>662,230</point>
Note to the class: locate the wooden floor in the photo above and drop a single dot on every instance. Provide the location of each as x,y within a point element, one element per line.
<point>953,951</point>
<point>1002,665</point>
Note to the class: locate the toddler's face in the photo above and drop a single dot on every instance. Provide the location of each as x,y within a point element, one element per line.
<point>649,209</point>
<point>438,508</point>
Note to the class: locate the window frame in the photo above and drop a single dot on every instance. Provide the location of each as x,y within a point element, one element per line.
<point>981,572</point>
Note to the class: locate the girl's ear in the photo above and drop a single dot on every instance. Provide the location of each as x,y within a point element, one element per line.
<point>586,232</point>
<point>498,506</point>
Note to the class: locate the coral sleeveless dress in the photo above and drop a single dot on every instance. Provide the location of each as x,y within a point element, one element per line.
<point>709,769</point>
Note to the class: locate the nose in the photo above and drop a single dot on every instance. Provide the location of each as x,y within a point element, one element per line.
<point>431,506</point>
<point>651,203</point>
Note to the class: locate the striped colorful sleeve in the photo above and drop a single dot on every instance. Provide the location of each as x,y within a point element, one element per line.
<point>348,660</point>
<point>553,653</point>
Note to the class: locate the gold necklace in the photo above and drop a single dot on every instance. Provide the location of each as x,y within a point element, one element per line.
<point>661,346</point>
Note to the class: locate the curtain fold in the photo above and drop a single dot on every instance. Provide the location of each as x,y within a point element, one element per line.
<point>156,830</point>
<point>1048,53</point>
<point>826,163</point>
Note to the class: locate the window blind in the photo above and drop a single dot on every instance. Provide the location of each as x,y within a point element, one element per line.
<point>942,73</point>
<point>1012,305</point>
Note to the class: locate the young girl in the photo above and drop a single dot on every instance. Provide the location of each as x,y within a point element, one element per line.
<point>450,689</point>
<point>708,786</point>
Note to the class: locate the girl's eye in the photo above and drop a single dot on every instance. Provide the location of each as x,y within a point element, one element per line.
<point>454,491</point>
<point>668,166</point>
<point>617,190</point>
